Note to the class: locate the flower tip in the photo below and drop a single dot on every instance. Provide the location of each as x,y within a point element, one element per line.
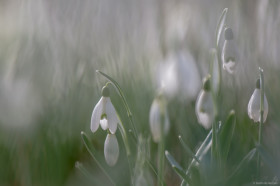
<point>232,112</point>
<point>166,153</point>
<point>180,137</point>
<point>82,133</point>
<point>97,71</point>
<point>228,33</point>
<point>105,91</point>
<point>206,83</point>
<point>260,69</point>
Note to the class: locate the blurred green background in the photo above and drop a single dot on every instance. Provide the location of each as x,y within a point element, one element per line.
<point>50,50</point>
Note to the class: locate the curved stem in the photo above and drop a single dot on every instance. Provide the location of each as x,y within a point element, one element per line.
<point>261,117</point>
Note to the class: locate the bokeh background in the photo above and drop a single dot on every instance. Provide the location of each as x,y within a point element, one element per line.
<point>50,50</point>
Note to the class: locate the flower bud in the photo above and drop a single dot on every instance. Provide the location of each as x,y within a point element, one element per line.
<point>204,107</point>
<point>111,149</point>
<point>254,105</point>
<point>159,120</point>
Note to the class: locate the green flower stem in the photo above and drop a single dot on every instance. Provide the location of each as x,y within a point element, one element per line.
<point>161,162</point>
<point>94,155</point>
<point>261,117</point>
<point>127,148</point>
<point>217,97</point>
<point>120,92</point>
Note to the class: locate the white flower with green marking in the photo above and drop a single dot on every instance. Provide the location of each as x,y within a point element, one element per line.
<point>159,120</point>
<point>254,105</point>
<point>204,107</point>
<point>111,149</point>
<point>229,53</point>
<point>104,114</point>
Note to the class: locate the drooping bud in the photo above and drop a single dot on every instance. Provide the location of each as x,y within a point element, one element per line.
<point>254,105</point>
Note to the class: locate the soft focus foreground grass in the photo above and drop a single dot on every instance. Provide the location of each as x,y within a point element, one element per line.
<point>45,152</point>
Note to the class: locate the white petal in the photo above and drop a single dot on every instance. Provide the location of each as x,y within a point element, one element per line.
<point>254,106</point>
<point>112,117</point>
<point>204,109</point>
<point>166,122</point>
<point>229,52</point>
<point>111,149</point>
<point>154,119</point>
<point>104,124</point>
<point>96,115</point>
<point>229,66</point>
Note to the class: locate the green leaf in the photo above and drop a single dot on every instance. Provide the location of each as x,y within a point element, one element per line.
<point>269,160</point>
<point>188,150</point>
<point>95,155</point>
<point>177,168</point>
<point>226,134</point>
<point>202,150</point>
<point>243,164</point>
<point>220,26</point>
<point>86,173</point>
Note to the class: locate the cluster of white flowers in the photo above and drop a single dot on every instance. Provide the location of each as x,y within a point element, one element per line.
<point>105,114</point>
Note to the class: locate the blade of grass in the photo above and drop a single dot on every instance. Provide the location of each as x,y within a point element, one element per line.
<point>188,150</point>
<point>220,26</point>
<point>269,160</point>
<point>243,164</point>
<point>93,154</point>
<point>226,134</point>
<point>177,168</point>
<point>86,173</point>
<point>202,150</point>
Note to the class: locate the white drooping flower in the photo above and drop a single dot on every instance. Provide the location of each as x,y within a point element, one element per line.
<point>111,149</point>
<point>229,53</point>
<point>159,120</point>
<point>178,76</point>
<point>104,113</point>
<point>204,107</point>
<point>254,104</point>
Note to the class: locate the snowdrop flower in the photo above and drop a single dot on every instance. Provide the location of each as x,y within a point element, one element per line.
<point>159,120</point>
<point>111,149</point>
<point>254,105</point>
<point>104,113</point>
<point>204,107</point>
<point>229,54</point>
<point>179,76</point>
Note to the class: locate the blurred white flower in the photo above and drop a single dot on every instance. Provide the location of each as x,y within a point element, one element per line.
<point>111,149</point>
<point>159,120</point>
<point>179,76</point>
<point>104,113</point>
<point>204,107</point>
<point>229,53</point>
<point>254,105</point>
